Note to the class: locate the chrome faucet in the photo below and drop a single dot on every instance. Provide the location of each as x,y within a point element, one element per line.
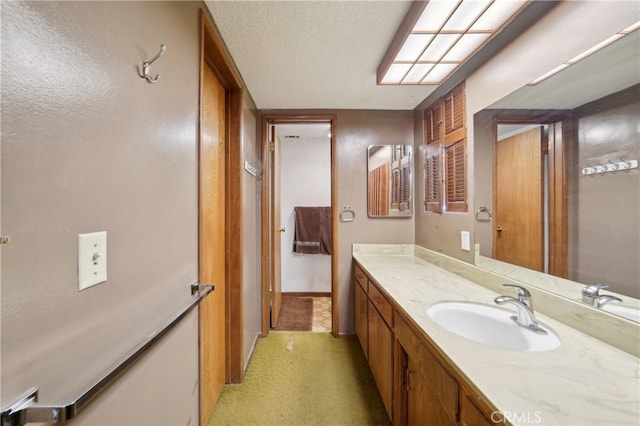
<point>591,296</point>
<point>524,308</point>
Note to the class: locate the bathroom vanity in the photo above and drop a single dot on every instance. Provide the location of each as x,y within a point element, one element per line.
<point>428,375</point>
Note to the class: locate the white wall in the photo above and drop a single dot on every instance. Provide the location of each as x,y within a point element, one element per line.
<point>305,181</point>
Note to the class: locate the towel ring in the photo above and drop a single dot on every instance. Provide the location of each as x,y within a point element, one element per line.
<point>485,210</point>
<point>346,212</point>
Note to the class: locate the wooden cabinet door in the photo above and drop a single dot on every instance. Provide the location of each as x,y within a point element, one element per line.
<point>381,355</point>
<point>417,396</point>
<point>471,415</point>
<point>361,318</point>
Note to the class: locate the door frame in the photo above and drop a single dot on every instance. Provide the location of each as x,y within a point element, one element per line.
<point>273,119</point>
<point>558,157</point>
<point>214,54</point>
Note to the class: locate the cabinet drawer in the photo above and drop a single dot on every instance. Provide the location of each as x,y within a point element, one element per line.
<point>383,306</point>
<point>361,278</point>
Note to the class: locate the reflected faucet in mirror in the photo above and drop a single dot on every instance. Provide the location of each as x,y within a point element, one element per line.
<point>531,150</point>
<point>389,181</point>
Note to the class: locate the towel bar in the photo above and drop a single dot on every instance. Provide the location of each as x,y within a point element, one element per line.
<point>27,410</point>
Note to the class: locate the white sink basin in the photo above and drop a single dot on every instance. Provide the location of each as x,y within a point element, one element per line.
<point>625,311</point>
<point>491,325</point>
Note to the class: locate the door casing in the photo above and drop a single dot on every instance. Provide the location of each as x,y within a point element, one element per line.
<point>213,53</point>
<point>267,223</point>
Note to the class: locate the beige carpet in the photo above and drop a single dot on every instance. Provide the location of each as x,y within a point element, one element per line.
<point>303,379</point>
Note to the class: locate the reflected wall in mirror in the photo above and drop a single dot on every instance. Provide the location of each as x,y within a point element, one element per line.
<point>389,181</point>
<point>557,163</point>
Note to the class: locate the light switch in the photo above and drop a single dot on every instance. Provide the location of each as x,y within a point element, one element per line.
<point>464,240</point>
<point>92,259</point>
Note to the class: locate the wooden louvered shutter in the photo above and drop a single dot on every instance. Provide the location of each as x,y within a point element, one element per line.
<point>445,164</point>
<point>454,110</point>
<point>455,150</point>
<point>405,186</point>
<point>455,158</point>
<point>395,189</point>
<point>433,135</point>
<point>432,183</point>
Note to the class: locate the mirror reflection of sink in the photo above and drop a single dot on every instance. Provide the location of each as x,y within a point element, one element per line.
<point>623,310</point>
<point>490,325</point>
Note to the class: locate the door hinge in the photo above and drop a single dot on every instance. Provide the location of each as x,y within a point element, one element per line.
<point>272,146</point>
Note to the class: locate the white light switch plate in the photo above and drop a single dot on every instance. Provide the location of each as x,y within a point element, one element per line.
<point>465,244</point>
<point>92,259</point>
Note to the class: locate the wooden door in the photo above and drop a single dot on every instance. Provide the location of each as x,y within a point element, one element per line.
<point>276,231</point>
<point>212,241</point>
<point>518,200</point>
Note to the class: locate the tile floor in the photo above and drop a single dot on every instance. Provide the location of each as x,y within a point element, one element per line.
<point>321,315</point>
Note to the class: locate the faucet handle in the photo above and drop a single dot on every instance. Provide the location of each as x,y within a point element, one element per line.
<point>591,293</point>
<point>523,293</point>
<point>593,290</point>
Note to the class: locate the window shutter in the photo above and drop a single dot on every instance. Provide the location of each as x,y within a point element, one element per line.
<point>445,136</point>
<point>405,187</point>
<point>455,158</point>
<point>432,183</point>
<point>432,119</point>
<point>454,110</point>
<point>395,188</point>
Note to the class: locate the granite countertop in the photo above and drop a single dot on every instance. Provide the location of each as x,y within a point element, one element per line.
<point>582,382</point>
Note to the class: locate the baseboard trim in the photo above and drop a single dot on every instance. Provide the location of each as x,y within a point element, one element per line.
<point>253,348</point>
<point>306,294</point>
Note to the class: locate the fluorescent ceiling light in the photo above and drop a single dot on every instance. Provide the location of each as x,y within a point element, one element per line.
<point>465,15</point>
<point>442,32</point>
<point>396,73</point>
<point>438,47</point>
<point>587,53</point>
<point>631,28</point>
<point>498,12</point>
<point>435,15</point>
<point>467,44</point>
<point>439,73</point>
<point>413,47</point>
<point>417,73</point>
<point>549,74</point>
<point>594,49</point>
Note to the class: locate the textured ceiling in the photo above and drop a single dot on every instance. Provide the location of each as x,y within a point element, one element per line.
<point>321,54</point>
<point>315,54</point>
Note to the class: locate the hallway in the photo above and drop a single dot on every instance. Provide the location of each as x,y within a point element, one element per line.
<point>303,379</point>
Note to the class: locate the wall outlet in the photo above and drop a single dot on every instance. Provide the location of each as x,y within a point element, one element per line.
<point>465,244</point>
<point>92,259</point>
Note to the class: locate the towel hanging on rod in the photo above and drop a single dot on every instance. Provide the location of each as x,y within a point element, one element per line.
<point>312,234</point>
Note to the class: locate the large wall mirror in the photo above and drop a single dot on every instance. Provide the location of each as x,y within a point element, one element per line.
<point>557,186</point>
<point>389,181</point>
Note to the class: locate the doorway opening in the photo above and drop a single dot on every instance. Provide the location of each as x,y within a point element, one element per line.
<point>299,224</point>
